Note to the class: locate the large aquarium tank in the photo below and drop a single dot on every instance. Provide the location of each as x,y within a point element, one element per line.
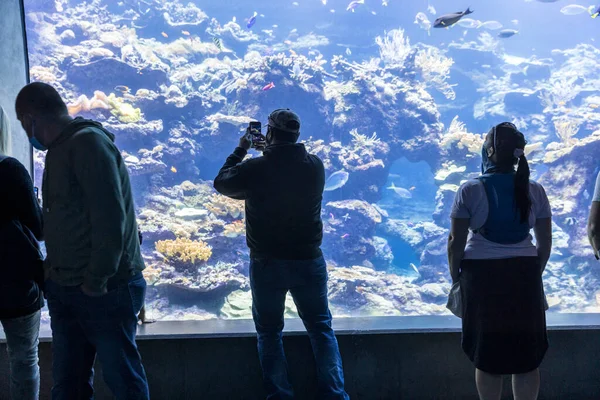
<point>395,97</point>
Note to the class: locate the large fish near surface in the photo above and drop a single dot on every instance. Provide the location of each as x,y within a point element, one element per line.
<point>448,20</point>
<point>336,180</point>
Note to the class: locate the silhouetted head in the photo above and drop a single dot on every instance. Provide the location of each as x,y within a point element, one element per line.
<point>504,147</point>
<point>40,109</point>
<point>283,127</point>
<point>4,133</point>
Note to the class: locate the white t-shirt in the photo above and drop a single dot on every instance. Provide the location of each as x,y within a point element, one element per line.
<point>471,202</point>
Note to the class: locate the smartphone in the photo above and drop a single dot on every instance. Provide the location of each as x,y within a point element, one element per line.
<point>37,192</point>
<point>255,132</point>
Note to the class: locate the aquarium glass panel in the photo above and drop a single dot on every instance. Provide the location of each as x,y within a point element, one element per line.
<point>395,96</point>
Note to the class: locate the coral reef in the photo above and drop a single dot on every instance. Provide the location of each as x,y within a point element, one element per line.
<point>184,251</point>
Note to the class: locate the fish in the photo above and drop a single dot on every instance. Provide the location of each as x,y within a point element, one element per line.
<point>324,2</point>
<point>268,87</point>
<point>414,267</point>
<point>345,235</point>
<point>384,3</point>
<point>186,33</point>
<point>431,10</point>
<point>423,22</point>
<point>295,4</point>
<point>234,19</point>
<point>353,4</point>
<point>218,43</point>
<point>469,23</point>
<point>412,188</point>
<point>448,20</point>
<point>576,9</point>
<point>506,33</point>
<point>596,12</point>
<point>594,106</point>
<point>491,25</point>
<point>348,51</point>
<point>123,89</point>
<point>332,11</point>
<point>164,34</point>
<point>173,170</point>
<point>336,180</point>
<point>515,21</point>
<point>403,193</point>
<point>252,20</point>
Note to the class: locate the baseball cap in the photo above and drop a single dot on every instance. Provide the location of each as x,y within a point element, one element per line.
<point>285,120</point>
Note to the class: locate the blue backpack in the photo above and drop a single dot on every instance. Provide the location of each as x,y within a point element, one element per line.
<point>503,224</point>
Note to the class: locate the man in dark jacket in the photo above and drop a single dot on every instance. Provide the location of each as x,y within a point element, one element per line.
<point>283,191</point>
<point>94,286</point>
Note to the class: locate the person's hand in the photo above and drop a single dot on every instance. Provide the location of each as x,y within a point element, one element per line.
<point>92,293</point>
<point>246,140</point>
<point>142,317</point>
<point>262,144</point>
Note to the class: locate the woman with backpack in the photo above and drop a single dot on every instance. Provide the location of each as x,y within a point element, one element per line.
<point>21,270</point>
<point>499,269</point>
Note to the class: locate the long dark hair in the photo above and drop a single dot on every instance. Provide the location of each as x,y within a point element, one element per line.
<point>509,148</point>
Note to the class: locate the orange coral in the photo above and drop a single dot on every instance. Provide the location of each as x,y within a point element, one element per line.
<point>185,251</point>
<point>83,104</point>
<point>235,229</point>
<point>222,206</point>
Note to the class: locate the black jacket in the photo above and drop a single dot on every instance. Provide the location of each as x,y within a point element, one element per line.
<point>283,190</point>
<point>90,227</point>
<point>20,295</point>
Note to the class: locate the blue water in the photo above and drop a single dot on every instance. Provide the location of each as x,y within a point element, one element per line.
<point>400,125</point>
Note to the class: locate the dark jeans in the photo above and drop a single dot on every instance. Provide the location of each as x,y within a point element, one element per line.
<point>84,326</point>
<point>306,280</point>
<point>22,339</point>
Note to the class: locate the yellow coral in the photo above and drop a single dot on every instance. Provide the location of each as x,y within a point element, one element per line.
<point>222,206</point>
<point>235,229</point>
<point>186,251</point>
<point>124,112</point>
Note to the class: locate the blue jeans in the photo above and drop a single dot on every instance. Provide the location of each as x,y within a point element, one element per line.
<point>306,280</point>
<point>84,326</point>
<point>22,339</point>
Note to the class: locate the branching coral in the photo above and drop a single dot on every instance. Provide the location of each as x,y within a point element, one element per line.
<point>185,251</point>
<point>222,206</point>
<point>337,91</point>
<point>566,129</point>
<point>42,74</point>
<point>457,133</point>
<point>435,69</point>
<point>235,229</point>
<point>394,47</point>
<point>559,92</point>
<point>360,140</point>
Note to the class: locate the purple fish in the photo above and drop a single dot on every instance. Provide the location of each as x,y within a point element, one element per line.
<point>252,20</point>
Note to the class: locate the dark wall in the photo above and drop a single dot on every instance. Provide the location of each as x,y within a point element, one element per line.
<point>13,72</point>
<point>389,366</point>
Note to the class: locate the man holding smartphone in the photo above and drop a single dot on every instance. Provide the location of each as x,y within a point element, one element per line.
<point>283,191</point>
